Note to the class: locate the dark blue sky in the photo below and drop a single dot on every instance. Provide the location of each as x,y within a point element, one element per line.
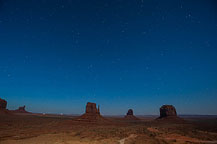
<point>56,55</point>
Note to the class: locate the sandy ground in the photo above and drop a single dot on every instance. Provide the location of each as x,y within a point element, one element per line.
<point>53,129</point>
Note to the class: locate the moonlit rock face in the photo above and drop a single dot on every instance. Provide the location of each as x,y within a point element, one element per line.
<point>91,108</point>
<point>92,114</point>
<point>3,104</point>
<point>167,110</point>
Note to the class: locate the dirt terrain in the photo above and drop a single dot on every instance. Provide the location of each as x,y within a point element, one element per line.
<point>56,129</point>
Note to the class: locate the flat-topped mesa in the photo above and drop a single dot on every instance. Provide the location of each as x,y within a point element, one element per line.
<point>168,111</point>
<point>130,115</point>
<point>3,104</point>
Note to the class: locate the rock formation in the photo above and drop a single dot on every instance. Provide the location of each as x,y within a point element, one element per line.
<point>130,115</point>
<point>20,110</point>
<point>130,112</point>
<point>168,114</point>
<point>91,108</point>
<point>168,111</point>
<point>3,104</point>
<point>92,114</point>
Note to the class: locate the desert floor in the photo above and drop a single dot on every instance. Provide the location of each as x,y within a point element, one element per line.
<point>54,129</point>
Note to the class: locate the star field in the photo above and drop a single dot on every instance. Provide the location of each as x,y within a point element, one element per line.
<point>120,54</point>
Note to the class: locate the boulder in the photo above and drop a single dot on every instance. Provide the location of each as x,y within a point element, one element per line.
<point>3,104</point>
<point>168,111</point>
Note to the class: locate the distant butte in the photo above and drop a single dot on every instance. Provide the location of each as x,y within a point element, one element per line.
<point>21,110</point>
<point>92,114</point>
<point>3,104</point>
<point>130,115</point>
<point>91,109</point>
<point>168,112</point>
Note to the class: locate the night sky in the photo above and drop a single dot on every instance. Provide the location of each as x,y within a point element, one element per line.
<point>56,55</point>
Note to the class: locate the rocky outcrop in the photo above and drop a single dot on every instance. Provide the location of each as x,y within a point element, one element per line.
<point>92,114</point>
<point>91,108</point>
<point>3,104</point>
<point>168,114</point>
<point>130,115</point>
<point>168,111</point>
<point>20,110</point>
<point>130,112</point>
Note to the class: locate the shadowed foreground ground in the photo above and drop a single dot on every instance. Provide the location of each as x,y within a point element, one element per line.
<point>51,129</point>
